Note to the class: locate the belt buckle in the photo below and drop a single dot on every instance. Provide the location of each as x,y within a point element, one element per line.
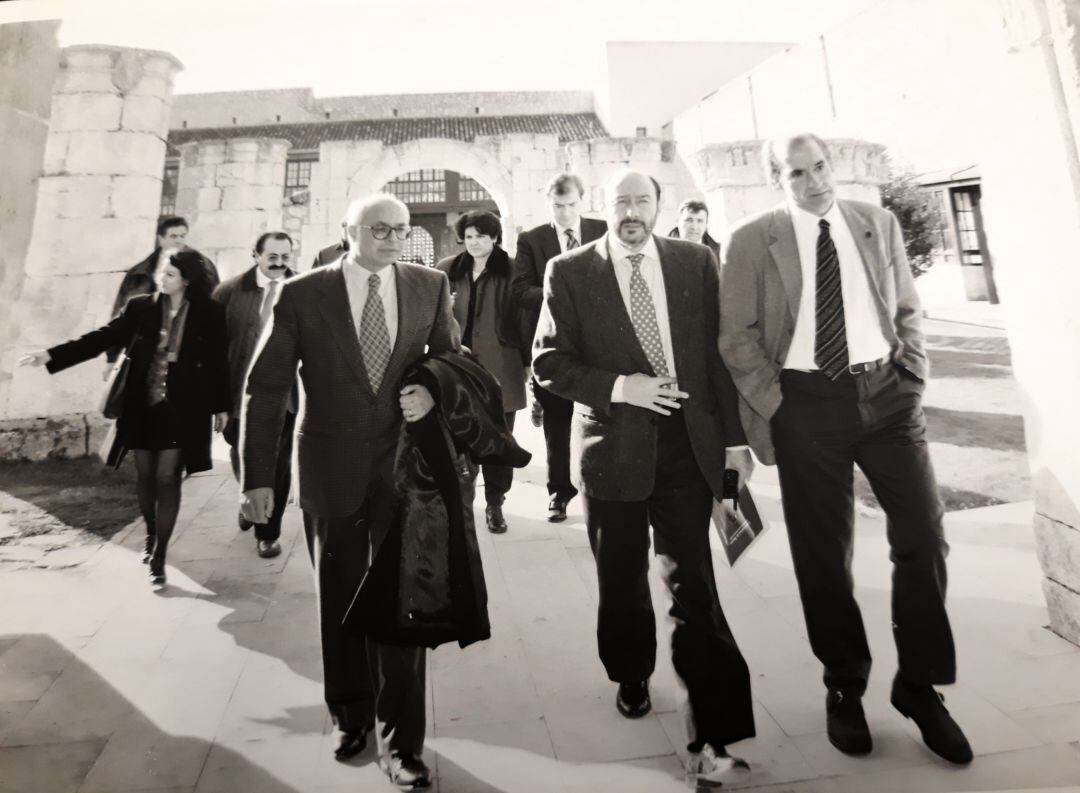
<point>868,366</point>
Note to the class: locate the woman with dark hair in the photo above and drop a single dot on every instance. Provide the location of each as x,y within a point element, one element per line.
<point>177,387</point>
<point>480,285</point>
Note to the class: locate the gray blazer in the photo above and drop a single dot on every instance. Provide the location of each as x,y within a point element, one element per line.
<point>761,285</point>
<point>348,433</point>
<point>585,340</point>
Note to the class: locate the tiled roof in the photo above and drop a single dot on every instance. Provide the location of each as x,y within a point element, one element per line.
<point>392,131</point>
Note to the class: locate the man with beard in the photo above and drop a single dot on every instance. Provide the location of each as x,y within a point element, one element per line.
<point>249,301</point>
<point>628,332</point>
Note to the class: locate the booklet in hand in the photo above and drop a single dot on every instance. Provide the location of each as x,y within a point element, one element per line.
<point>737,520</point>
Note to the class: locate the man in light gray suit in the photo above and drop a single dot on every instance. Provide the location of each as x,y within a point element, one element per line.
<point>353,327</point>
<point>820,329</point>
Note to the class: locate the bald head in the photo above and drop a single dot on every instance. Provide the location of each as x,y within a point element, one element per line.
<point>373,216</point>
<point>631,204</point>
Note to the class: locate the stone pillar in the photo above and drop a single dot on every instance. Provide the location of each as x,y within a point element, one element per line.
<point>231,191</point>
<point>97,208</point>
<point>597,159</point>
<point>28,67</point>
<point>1031,205</point>
<point>733,179</point>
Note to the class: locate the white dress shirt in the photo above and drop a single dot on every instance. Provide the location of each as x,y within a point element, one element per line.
<point>654,279</point>
<point>865,341</point>
<point>263,282</point>
<point>356,284</point>
<point>560,232</point>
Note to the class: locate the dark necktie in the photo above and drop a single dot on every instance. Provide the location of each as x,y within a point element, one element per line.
<point>374,337</point>
<point>571,240</point>
<point>830,338</point>
<point>643,317</point>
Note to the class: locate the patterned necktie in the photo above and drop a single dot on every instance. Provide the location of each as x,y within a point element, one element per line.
<point>571,240</point>
<point>374,337</point>
<point>269,299</point>
<point>830,338</point>
<point>643,316</point>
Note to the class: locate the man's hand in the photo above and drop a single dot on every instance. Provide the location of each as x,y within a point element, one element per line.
<point>657,394</point>
<point>740,460</point>
<point>257,504</point>
<point>220,420</point>
<point>415,401</point>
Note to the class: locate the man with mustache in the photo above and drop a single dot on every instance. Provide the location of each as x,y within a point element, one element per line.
<point>249,300</point>
<point>628,332</point>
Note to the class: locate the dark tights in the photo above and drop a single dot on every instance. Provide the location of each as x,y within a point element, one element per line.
<point>158,488</point>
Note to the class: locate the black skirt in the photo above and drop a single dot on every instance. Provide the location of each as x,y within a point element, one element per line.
<point>155,427</point>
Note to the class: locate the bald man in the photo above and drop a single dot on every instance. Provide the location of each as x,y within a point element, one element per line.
<point>627,332</point>
<point>353,327</point>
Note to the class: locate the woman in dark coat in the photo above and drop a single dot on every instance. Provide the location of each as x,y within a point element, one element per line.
<point>177,388</point>
<point>480,285</point>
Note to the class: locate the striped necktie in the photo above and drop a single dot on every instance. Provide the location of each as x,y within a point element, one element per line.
<point>571,240</point>
<point>830,338</point>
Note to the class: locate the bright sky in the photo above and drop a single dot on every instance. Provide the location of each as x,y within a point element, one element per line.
<point>349,47</point>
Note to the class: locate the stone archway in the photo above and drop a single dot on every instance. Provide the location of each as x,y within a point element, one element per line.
<point>467,159</point>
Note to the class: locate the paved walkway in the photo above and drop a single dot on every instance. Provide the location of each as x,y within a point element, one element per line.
<point>213,686</point>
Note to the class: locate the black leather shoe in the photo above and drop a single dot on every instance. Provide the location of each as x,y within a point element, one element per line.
<point>633,700</point>
<point>268,549</point>
<point>496,523</point>
<point>148,548</point>
<point>350,744</point>
<point>557,509</point>
<point>407,771</point>
<point>243,522</point>
<point>940,732</point>
<point>846,723</point>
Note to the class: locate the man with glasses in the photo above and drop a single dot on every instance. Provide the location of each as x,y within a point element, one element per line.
<point>353,327</point>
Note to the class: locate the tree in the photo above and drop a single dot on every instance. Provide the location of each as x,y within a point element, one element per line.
<point>919,218</point>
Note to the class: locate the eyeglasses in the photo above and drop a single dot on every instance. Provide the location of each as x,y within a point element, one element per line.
<point>382,232</point>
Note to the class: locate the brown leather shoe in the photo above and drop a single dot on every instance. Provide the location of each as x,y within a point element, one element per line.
<point>407,771</point>
<point>268,549</point>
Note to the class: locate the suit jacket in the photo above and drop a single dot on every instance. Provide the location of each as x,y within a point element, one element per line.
<point>347,433</point>
<point>329,254</point>
<point>759,302</point>
<point>535,248</point>
<point>197,384</point>
<point>706,240</point>
<point>242,300</point>
<point>585,340</point>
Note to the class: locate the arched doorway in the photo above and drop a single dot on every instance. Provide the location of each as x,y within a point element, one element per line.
<point>436,198</point>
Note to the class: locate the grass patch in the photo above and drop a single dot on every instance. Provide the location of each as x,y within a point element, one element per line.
<point>80,494</point>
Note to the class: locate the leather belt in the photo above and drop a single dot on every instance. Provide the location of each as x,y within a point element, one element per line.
<point>869,366</point>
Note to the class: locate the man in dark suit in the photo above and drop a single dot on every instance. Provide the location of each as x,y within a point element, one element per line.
<point>249,301</point>
<point>628,333</point>
<point>693,225</point>
<point>821,333</point>
<point>535,247</point>
<point>353,328</point>
<point>331,253</point>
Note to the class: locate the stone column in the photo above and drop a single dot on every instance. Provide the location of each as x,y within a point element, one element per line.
<point>1031,180</point>
<point>28,68</point>
<point>733,179</point>
<point>231,191</point>
<point>97,208</point>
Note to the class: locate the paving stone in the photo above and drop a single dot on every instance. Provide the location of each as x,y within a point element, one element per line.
<point>56,768</point>
<point>595,732</point>
<point>140,757</point>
